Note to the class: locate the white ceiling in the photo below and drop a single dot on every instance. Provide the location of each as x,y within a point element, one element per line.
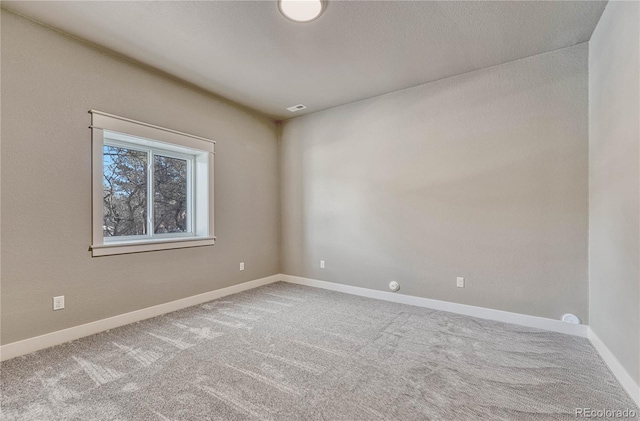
<point>246,51</point>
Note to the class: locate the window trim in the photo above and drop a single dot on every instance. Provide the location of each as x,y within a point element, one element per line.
<point>202,224</point>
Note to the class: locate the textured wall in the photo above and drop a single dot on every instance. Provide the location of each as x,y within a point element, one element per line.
<point>49,82</point>
<point>614,182</point>
<point>482,175</point>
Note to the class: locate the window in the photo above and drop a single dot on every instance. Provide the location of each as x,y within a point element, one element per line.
<point>152,187</point>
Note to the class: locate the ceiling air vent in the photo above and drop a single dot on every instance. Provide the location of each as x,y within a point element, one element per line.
<point>295,108</point>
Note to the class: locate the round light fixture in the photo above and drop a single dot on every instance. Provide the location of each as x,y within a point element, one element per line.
<point>302,10</point>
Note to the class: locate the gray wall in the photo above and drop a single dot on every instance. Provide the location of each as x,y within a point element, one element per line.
<point>482,175</point>
<point>614,183</point>
<point>49,82</point>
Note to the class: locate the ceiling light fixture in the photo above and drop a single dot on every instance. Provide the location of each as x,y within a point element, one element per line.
<point>302,10</point>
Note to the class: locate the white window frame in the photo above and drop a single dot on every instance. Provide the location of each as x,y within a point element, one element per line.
<point>112,130</point>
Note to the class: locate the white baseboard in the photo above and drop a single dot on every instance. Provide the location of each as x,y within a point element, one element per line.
<point>616,368</point>
<point>27,346</point>
<point>467,310</point>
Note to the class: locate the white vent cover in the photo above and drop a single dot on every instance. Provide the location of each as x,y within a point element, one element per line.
<point>295,108</point>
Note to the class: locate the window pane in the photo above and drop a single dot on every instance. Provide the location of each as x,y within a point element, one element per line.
<point>125,192</point>
<point>170,195</point>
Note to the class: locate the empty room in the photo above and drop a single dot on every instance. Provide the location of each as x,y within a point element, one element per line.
<point>319,210</point>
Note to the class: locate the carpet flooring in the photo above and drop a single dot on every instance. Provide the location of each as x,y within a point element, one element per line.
<point>289,352</point>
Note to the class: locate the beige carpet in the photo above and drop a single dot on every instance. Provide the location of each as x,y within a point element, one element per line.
<point>288,352</point>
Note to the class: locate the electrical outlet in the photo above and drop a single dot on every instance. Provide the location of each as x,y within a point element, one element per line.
<point>241,265</point>
<point>321,264</point>
<point>58,303</point>
<point>460,282</point>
